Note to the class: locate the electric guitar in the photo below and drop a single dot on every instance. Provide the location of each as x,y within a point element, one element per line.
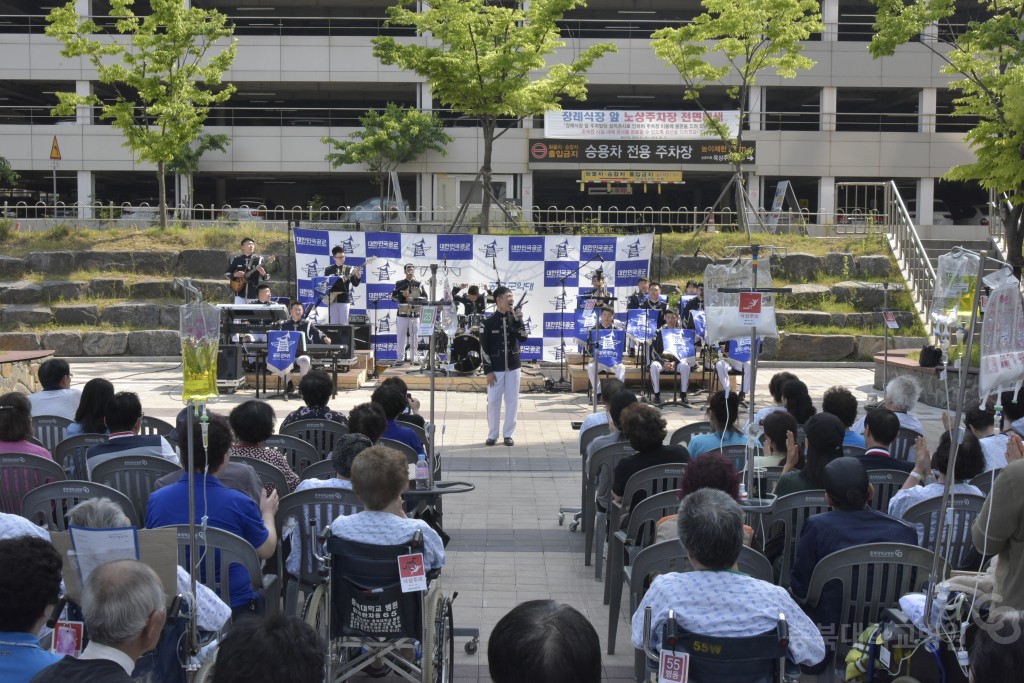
<point>238,283</point>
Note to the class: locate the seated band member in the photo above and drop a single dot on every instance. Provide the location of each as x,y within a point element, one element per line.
<point>635,299</point>
<point>311,335</point>
<point>247,268</point>
<point>660,361</point>
<point>341,292</point>
<point>598,289</point>
<point>473,301</point>
<point>263,297</point>
<point>654,302</point>
<point>723,371</point>
<point>691,305</point>
<point>407,291</point>
<point>607,322</point>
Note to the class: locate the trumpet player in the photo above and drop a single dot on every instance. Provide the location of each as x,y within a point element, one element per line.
<point>340,294</point>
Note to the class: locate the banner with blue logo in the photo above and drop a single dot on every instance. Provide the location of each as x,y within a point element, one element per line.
<point>321,286</point>
<point>700,324</point>
<point>534,265</point>
<point>281,350</point>
<point>739,349</point>
<point>642,323</point>
<point>610,344</point>
<point>680,343</point>
<point>585,321</point>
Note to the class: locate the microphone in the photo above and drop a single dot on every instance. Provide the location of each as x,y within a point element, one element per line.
<point>600,257</point>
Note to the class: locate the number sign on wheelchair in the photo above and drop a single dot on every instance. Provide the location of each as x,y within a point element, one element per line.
<point>673,667</point>
<point>413,572</point>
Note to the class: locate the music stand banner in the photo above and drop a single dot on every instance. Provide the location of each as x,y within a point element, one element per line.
<point>642,323</point>
<point>585,322</point>
<point>680,343</point>
<point>281,350</point>
<point>700,324</point>
<point>533,265</point>
<point>609,346</point>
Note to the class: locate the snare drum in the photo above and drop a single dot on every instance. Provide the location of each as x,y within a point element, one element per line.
<point>476,323</point>
<point>466,354</point>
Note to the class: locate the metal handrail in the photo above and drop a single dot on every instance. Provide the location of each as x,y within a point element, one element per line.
<point>910,253</point>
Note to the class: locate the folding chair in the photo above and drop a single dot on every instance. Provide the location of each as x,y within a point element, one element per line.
<point>321,434</point>
<point>71,453</point>
<point>886,483</point>
<point>268,474</point>
<point>299,453</point>
<point>684,434</point>
<point>595,523</point>
<point>47,505</point>
<point>133,475</point>
<point>790,512</point>
<point>964,509</point>
<point>591,433</point>
<point>49,429</point>
<point>20,473</point>
<point>902,447</point>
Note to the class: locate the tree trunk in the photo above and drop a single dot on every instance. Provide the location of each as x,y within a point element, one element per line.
<point>162,183</point>
<point>1014,233</point>
<point>485,175</point>
<point>381,179</point>
<point>741,205</point>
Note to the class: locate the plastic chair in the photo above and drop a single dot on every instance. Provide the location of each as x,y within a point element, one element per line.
<point>591,433</point>
<point>790,512</point>
<point>321,434</point>
<point>268,474</point>
<point>410,453</point>
<point>684,434</point>
<point>966,507</point>
<point>886,483</point>
<point>580,512</point>
<point>71,453</point>
<point>853,451</point>
<point>736,454</point>
<point>133,475</point>
<point>986,480</point>
<point>154,425</point>
<point>47,505</point>
<point>220,549</point>
<point>20,473</point>
<point>902,447</point>
<point>319,470</point>
<point>595,524</point>
<point>306,513</point>
<point>299,453</point>
<point>49,429</point>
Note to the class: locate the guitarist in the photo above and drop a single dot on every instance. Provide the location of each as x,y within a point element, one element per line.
<point>341,292</point>
<point>245,273</point>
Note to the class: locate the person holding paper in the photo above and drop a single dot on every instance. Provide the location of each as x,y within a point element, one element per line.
<point>407,292</point>
<point>607,322</point>
<point>672,351</point>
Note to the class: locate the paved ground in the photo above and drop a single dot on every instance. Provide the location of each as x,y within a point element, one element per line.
<point>506,544</point>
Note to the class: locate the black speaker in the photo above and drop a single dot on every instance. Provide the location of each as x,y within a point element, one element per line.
<point>229,363</point>
<point>361,337</point>
<point>340,335</point>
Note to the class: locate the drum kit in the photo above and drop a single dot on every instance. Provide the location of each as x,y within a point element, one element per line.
<point>458,336</point>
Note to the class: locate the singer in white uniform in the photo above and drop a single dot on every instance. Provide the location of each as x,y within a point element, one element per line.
<point>499,346</point>
<point>607,322</point>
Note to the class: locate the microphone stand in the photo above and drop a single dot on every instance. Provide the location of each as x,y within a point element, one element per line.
<point>562,384</point>
<point>497,275</point>
<point>373,374</point>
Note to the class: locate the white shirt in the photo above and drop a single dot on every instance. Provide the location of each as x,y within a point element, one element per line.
<point>211,613</point>
<point>727,604</point>
<point>760,415</point>
<point>907,421</point>
<point>96,650</point>
<point>384,528</point>
<point>62,402</point>
<point>904,499</point>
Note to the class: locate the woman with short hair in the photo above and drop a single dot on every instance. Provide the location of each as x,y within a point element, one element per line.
<point>253,422</point>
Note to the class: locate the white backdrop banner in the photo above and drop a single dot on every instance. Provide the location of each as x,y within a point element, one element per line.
<point>533,265</point>
<point>636,125</point>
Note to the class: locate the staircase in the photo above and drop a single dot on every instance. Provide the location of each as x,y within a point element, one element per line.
<point>936,248</point>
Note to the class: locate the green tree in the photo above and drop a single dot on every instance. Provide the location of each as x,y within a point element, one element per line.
<point>186,161</point>
<point>729,45</point>
<point>389,138</point>
<point>986,60</point>
<point>489,62</point>
<point>8,176</point>
<point>166,74</point>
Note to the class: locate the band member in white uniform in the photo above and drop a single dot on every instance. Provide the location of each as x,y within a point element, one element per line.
<point>340,295</point>
<point>660,361</point>
<point>499,345</point>
<point>607,322</point>
<point>407,291</point>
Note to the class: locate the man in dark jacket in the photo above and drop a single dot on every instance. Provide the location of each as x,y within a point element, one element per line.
<point>500,350</point>
<point>341,291</point>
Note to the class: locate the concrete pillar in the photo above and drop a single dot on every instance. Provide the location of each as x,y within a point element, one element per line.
<point>755,108</point>
<point>925,198</point>
<point>86,194</point>
<point>527,196</point>
<point>926,107</point>
<point>830,17</point>
<point>827,108</point>
<point>826,199</point>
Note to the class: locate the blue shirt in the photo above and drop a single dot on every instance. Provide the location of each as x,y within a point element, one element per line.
<point>227,509</point>
<point>854,439</point>
<point>705,443</point>
<point>404,434</point>
<point>21,658</point>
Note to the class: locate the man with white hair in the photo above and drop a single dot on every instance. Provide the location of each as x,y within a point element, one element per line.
<point>901,394</point>
<point>125,610</point>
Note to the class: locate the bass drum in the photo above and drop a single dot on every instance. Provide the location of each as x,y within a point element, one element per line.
<point>466,354</point>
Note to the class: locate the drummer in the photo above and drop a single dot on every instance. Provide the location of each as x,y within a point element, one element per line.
<point>472,300</point>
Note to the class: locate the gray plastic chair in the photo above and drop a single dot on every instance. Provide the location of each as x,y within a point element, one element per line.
<point>684,434</point>
<point>410,453</point>
<point>20,473</point>
<point>219,550</point>
<point>71,453</point>
<point>268,474</point>
<point>47,505</point>
<point>321,434</point>
<point>595,524</point>
<point>853,451</point>
<point>902,447</point>
<point>790,512</point>
<point>886,483</point>
<point>736,454</point>
<point>49,429</point>
<point>133,475</point>
<point>986,480</point>
<point>591,433</point>
<point>319,470</point>
<point>299,454</point>
<point>154,425</point>
<point>307,513</point>
<point>966,507</point>
<point>580,512</point>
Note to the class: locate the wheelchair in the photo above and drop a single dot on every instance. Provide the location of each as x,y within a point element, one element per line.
<point>369,624</point>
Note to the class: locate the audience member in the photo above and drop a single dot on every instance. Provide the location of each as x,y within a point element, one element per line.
<point>824,444</point>
<point>125,610</point>
<point>969,463</point>
<point>16,526</point>
<point>30,575</point>
<point>542,641</point>
<point>997,653</point>
<point>849,523</point>
<point>999,528</point>
<point>316,389</point>
<point>411,414</point>
<point>346,448</point>
<point>252,422</point>
<point>710,471</point>
<point>609,387</point>
<point>16,426</point>
<point>715,599</point>
<point>102,513</point>
<point>123,416</point>
<point>645,429</point>
<point>839,401</point>
<point>379,476</point>
<point>778,426</point>
<point>224,508</point>
<point>393,402</point>
<point>881,426</point>
<point>89,417</point>
<point>721,412</point>
<point>775,389</point>
<point>901,395</point>
<point>603,489</point>
<point>369,420</point>
<point>1013,422</point>
<point>277,649</point>
<point>797,401</point>
<point>56,397</point>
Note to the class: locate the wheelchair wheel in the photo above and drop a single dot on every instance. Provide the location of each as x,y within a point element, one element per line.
<point>205,673</point>
<point>315,612</point>
<point>438,641</point>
